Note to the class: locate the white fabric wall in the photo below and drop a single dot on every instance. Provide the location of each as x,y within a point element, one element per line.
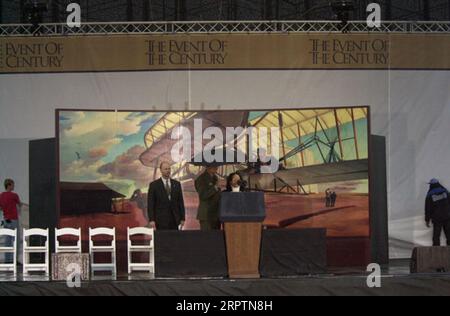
<point>14,162</point>
<point>419,150</point>
<point>410,108</point>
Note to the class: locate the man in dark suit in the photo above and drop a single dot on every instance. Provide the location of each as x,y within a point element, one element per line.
<point>165,202</point>
<point>207,186</point>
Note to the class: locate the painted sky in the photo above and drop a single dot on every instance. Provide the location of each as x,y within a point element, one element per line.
<point>105,147</point>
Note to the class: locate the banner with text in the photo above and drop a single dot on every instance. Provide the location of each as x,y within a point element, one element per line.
<point>197,52</point>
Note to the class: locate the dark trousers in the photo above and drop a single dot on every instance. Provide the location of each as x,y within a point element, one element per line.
<point>167,223</point>
<point>333,202</point>
<point>437,231</point>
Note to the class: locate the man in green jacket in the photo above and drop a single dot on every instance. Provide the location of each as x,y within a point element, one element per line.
<point>209,194</point>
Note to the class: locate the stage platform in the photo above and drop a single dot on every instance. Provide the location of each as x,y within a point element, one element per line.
<point>395,280</point>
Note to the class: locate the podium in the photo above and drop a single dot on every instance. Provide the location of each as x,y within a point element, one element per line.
<point>243,214</point>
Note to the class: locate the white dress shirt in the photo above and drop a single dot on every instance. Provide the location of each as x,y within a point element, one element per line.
<point>236,189</point>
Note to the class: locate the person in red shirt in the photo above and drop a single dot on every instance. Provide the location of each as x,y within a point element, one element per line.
<point>9,203</point>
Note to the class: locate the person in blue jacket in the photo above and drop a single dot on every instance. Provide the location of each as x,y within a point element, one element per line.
<point>437,211</point>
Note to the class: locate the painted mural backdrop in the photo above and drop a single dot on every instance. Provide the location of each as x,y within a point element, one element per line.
<point>107,160</point>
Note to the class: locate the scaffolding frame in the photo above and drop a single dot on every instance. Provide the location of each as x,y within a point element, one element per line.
<point>222,27</point>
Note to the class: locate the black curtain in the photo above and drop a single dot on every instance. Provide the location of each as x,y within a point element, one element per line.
<point>43,169</point>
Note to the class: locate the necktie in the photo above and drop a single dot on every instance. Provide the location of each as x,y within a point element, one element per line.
<point>167,186</point>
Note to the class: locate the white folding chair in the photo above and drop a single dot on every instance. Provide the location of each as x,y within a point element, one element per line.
<point>147,248</point>
<point>7,267</point>
<point>28,249</point>
<point>111,232</point>
<point>67,232</point>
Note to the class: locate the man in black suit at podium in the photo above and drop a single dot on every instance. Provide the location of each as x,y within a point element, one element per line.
<point>165,202</point>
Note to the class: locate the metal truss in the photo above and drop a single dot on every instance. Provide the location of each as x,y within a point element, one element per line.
<point>222,27</point>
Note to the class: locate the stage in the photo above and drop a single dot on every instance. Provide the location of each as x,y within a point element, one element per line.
<point>395,280</point>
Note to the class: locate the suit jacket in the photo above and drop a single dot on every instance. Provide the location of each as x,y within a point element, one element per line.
<point>160,208</point>
<point>209,196</point>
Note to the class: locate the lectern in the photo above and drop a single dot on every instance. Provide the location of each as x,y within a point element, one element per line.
<point>243,214</point>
